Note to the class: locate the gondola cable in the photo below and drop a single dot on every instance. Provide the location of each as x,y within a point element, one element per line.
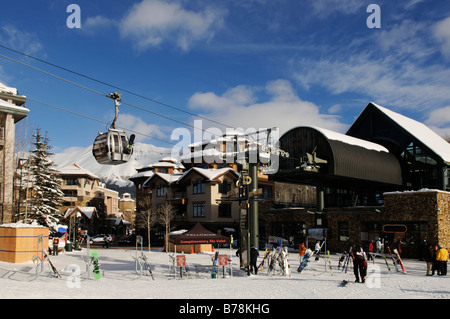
<point>99,93</point>
<point>113,86</point>
<point>97,120</point>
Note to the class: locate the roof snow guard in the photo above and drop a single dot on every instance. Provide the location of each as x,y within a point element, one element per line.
<point>334,154</point>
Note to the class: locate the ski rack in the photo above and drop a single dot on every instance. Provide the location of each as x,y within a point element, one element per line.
<point>141,259</point>
<point>88,258</point>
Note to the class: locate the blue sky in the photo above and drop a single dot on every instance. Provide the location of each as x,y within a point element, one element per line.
<point>253,63</point>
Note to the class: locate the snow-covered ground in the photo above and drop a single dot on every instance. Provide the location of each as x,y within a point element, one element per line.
<point>119,280</point>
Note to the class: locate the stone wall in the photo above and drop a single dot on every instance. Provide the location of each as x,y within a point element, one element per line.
<point>428,206</point>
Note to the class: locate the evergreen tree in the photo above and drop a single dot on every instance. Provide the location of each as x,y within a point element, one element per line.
<point>46,185</point>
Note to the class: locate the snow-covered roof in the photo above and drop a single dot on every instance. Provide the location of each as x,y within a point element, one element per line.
<point>19,111</point>
<point>21,225</point>
<point>209,173</point>
<point>142,174</point>
<point>420,131</point>
<point>169,178</point>
<point>335,136</point>
<point>7,89</point>
<point>86,211</point>
<point>75,169</point>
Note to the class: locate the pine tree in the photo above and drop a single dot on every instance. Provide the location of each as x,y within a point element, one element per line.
<point>46,185</point>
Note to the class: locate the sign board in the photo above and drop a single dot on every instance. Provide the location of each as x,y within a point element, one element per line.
<point>394,228</point>
<point>223,260</point>
<point>181,261</point>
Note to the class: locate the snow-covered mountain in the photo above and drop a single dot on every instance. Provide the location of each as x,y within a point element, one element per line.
<point>143,155</point>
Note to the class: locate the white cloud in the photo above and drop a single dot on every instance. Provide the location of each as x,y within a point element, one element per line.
<point>439,121</point>
<point>284,109</point>
<point>152,22</point>
<point>135,125</point>
<point>394,67</point>
<point>325,8</point>
<point>442,34</point>
<point>20,40</point>
<point>94,23</point>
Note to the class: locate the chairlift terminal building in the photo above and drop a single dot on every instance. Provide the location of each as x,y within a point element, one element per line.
<point>386,170</point>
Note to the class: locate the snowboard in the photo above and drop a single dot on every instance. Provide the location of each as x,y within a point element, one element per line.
<point>308,254</point>
<point>96,267</point>
<point>213,269</point>
<point>400,261</point>
<point>55,271</point>
<point>148,265</point>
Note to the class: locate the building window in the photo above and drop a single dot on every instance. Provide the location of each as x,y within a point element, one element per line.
<point>199,209</point>
<point>161,191</point>
<point>199,187</point>
<point>224,187</point>
<point>72,182</point>
<point>343,232</point>
<point>225,210</point>
<point>70,193</point>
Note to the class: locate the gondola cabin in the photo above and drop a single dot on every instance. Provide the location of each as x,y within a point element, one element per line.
<point>113,147</point>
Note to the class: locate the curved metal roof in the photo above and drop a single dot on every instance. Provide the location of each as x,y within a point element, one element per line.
<point>345,156</point>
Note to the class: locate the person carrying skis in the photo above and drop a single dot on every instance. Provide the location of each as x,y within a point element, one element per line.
<point>253,258</point>
<point>359,265</point>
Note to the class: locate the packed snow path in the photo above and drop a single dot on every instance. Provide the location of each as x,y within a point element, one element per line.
<point>119,279</point>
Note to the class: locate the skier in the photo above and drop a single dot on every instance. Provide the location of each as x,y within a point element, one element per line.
<point>253,258</point>
<point>301,251</point>
<point>55,246</point>
<point>317,249</point>
<point>359,265</point>
<point>370,250</point>
<point>429,256</point>
<point>441,257</point>
<point>106,241</point>
<point>378,245</point>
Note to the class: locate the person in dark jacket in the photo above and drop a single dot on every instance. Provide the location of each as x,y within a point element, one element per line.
<point>359,265</point>
<point>253,258</point>
<point>429,256</point>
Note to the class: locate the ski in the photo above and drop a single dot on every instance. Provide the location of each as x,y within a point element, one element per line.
<point>393,259</point>
<point>400,261</point>
<point>261,265</point>
<point>273,260</point>
<point>55,271</point>
<point>148,265</point>
<point>385,260</point>
<point>329,263</point>
<point>308,254</point>
<point>96,266</point>
<point>213,269</point>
